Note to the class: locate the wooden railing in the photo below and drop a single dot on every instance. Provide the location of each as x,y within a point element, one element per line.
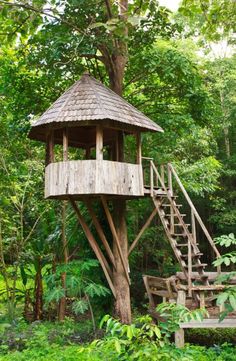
<point>161,177</point>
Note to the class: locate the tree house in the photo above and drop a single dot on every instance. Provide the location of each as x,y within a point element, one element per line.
<point>89,122</point>
<point>91,117</point>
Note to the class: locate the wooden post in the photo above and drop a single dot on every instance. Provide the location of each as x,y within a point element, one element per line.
<point>87,152</point>
<point>65,144</point>
<point>202,299</point>
<point>193,226</point>
<point>179,335</point>
<point>99,142</point>
<point>149,293</point>
<point>49,148</point>
<point>151,180</point>
<point>170,186</point>
<point>139,148</point>
<point>120,146</point>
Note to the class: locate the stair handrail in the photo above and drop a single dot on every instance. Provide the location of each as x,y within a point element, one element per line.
<point>194,211</point>
<point>170,192</point>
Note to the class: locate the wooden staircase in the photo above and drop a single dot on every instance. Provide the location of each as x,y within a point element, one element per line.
<point>181,235</point>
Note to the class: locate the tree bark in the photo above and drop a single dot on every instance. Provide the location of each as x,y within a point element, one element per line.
<point>122,303</point>
<point>115,65</point>
<point>38,292</point>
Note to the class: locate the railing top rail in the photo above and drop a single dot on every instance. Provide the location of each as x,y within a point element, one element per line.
<point>147,158</point>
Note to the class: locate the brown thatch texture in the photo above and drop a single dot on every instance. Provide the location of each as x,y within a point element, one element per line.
<point>88,99</point>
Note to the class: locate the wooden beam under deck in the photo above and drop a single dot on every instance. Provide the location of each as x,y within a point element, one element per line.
<point>115,236</point>
<point>100,231</point>
<point>94,246</point>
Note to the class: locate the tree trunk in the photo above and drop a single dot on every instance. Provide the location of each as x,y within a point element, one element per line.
<point>38,292</point>
<point>122,303</point>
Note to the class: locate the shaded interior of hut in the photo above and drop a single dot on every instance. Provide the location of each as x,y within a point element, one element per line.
<point>92,142</point>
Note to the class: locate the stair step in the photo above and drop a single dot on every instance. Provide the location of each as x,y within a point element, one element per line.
<point>178,234</point>
<point>179,224</point>
<point>175,215</point>
<point>198,265</point>
<point>169,205</point>
<point>193,255</point>
<point>184,244</point>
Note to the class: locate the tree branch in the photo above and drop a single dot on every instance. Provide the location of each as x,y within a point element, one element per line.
<point>43,12</point>
<point>108,6</point>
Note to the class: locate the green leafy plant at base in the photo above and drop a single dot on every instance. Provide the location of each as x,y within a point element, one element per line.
<point>227,298</point>
<point>79,286</point>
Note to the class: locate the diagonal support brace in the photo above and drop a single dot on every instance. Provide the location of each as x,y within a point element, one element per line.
<point>115,236</point>
<point>100,231</point>
<point>94,246</point>
<point>143,229</point>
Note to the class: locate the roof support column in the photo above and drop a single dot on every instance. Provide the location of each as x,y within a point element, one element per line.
<point>99,142</point>
<point>65,144</point>
<point>139,149</point>
<point>49,147</point>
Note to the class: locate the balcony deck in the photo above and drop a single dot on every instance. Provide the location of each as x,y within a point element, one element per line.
<point>79,178</point>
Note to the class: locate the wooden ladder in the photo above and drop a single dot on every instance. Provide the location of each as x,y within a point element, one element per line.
<point>182,236</point>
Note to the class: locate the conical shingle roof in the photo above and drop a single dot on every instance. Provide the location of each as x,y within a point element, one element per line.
<point>89,100</point>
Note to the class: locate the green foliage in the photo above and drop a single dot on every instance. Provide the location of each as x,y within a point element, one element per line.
<point>172,314</point>
<point>80,285</point>
<point>23,336</point>
<point>228,296</point>
<point>140,341</point>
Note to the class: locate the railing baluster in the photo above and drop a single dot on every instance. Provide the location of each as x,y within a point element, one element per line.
<point>170,179</point>
<point>163,173</point>
<point>151,179</point>
<point>189,268</point>
<point>193,225</point>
